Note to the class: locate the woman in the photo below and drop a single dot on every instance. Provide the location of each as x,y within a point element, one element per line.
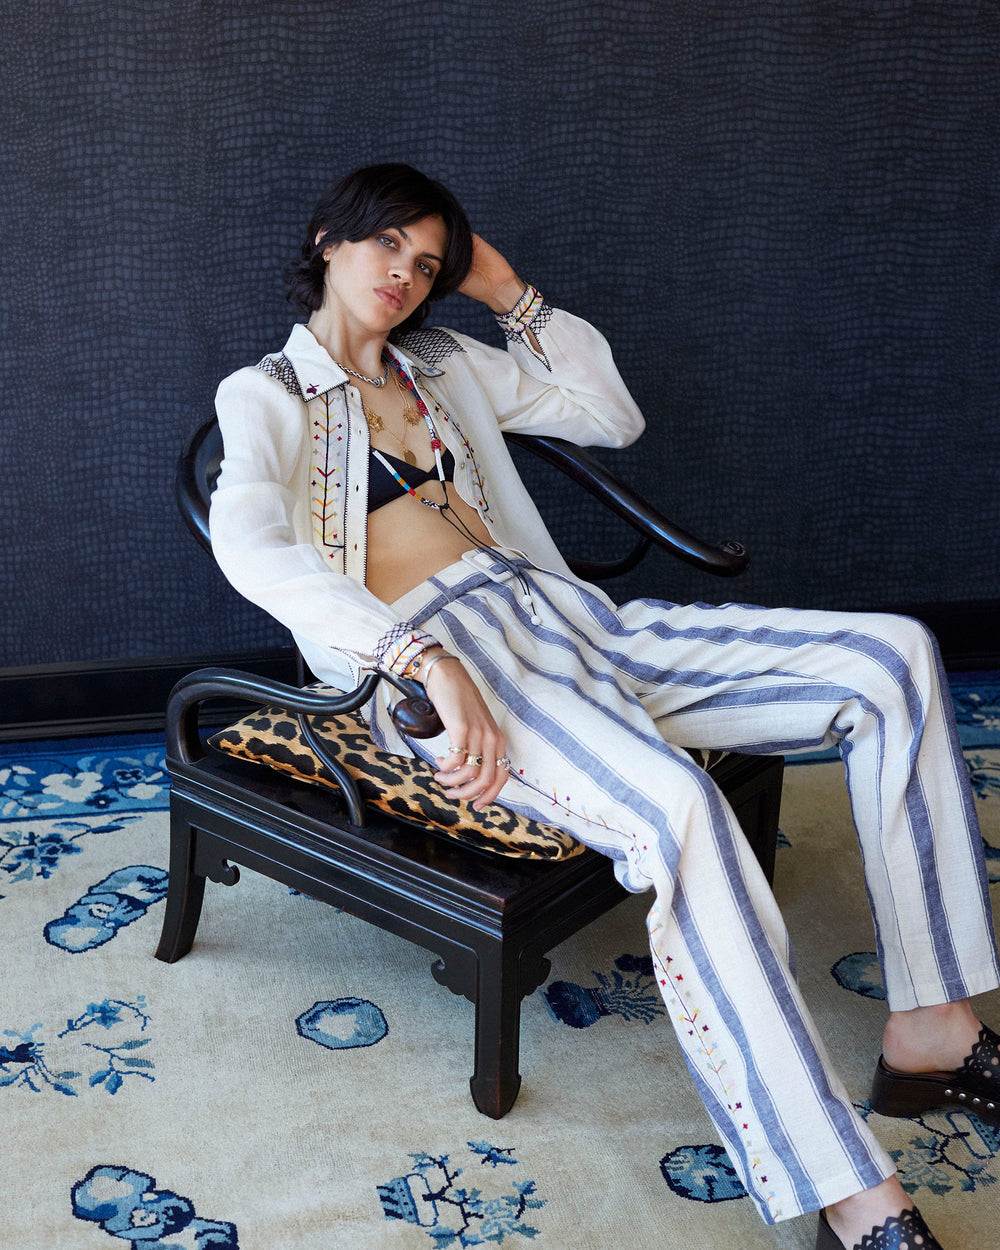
<point>368,502</point>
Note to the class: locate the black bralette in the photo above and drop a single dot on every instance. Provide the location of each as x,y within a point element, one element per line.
<point>383,487</point>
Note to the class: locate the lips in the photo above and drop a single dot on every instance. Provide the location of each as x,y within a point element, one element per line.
<point>390,295</point>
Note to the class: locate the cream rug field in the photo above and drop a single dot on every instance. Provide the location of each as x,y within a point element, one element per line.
<point>299,1082</point>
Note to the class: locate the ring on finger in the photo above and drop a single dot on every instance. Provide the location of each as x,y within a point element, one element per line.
<point>475,760</point>
<point>456,750</point>
<point>503,762</point>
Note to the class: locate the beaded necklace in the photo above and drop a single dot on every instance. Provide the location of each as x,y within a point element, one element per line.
<point>436,446</point>
<point>445,509</point>
<point>412,490</point>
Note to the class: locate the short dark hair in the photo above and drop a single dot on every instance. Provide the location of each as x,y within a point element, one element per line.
<point>371,199</point>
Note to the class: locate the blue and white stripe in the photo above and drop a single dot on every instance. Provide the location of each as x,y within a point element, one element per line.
<point>598,702</point>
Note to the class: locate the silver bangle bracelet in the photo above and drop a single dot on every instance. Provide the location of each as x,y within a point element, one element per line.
<point>426,668</point>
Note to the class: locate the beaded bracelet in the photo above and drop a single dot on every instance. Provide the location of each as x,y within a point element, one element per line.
<point>400,646</point>
<point>521,315</point>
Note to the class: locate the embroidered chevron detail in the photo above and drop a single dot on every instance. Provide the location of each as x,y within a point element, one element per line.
<point>280,367</point>
<point>323,473</point>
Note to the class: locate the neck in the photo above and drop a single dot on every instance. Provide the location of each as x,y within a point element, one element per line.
<point>358,349</point>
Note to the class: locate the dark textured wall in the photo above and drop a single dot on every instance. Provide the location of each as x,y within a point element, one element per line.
<point>783,215</point>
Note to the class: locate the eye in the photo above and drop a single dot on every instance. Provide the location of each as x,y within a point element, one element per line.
<point>426,269</point>
<point>386,240</point>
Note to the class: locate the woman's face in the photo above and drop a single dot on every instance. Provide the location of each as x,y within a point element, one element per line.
<point>380,281</point>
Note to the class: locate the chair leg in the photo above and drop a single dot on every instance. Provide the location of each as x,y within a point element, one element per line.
<point>496,1080</point>
<point>185,892</point>
<point>757,805</point>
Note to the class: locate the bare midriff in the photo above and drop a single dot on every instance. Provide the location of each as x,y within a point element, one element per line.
<point>409,542</point>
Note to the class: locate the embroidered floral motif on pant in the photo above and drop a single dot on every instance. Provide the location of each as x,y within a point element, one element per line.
<point>670,982</point>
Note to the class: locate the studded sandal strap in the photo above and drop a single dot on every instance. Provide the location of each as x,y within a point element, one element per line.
<point>983,1064</point>
<point>906,1231</point>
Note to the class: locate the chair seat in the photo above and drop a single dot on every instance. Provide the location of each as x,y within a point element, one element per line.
<point>490,919</point>
<point>400,786</point>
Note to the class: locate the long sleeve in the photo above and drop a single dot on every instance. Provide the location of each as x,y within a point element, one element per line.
<point>260,535</point>
<point>574,391</point>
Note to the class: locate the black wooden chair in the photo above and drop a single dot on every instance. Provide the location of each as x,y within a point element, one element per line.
<point>490,919</point>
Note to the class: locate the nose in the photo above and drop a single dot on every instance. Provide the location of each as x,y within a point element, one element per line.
<point>401,270</point>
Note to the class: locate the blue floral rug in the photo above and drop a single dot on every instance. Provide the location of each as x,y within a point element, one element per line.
<point>299,1081</point>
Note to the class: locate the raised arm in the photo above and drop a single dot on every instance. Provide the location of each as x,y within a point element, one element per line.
<point>557,376</point>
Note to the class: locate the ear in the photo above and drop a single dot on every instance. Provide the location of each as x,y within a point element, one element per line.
<point>330,250</point>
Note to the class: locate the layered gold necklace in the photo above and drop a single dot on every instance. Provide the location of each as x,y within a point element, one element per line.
<point>411,418</point>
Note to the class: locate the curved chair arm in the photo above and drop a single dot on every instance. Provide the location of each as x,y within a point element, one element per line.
<point>414,714</point>
<point>199,463</point>
<point>193,689</point>
<point>726,559</point>
<point>197,472</point>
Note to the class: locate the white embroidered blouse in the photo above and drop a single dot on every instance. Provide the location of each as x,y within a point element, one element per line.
<point>289,514</point>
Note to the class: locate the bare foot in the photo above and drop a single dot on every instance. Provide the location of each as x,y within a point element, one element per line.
<point>857,1215</point>
<point>930,1039</point>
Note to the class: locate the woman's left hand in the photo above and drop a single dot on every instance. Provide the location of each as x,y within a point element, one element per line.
<point>491,279</point>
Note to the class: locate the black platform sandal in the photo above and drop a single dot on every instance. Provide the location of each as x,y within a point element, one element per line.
<point>907,1229</point>
<point>975,1086</point>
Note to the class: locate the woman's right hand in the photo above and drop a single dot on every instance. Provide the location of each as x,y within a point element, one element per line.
<point>491,278</point>
<point>469,724</point>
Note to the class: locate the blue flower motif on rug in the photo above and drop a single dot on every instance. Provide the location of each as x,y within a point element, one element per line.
<point>702,1173</point>
<point>31,1062</point>
<point>79,785</point>
<point>984,774</point>
<point>26,853</point>
<point>108,906</point>
<point>343,1023</point>
<point>455,1215</point>
<point>954,1152</point>
<point>992,857</point>
<point>860,973</point>
<point>628,991</point>
<point>977,711</point>
<point>128,1206</point>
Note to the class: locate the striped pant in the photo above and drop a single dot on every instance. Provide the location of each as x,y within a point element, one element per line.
<point>596,703</point>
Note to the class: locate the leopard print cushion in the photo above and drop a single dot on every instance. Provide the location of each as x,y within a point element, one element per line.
<point>401,786</point>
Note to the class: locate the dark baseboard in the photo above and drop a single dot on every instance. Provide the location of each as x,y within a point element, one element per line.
<point>968,633</point>
<point>114,696</point>
<point>129,696</point>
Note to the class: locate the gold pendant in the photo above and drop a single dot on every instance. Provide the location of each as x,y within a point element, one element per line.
<point>375,422</point>
<point>408,456</point>
<point>410,414</point>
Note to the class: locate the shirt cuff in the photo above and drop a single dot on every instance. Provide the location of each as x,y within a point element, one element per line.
<point>530,312</point>
<point>521,315</point>
<point>400,646</point>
